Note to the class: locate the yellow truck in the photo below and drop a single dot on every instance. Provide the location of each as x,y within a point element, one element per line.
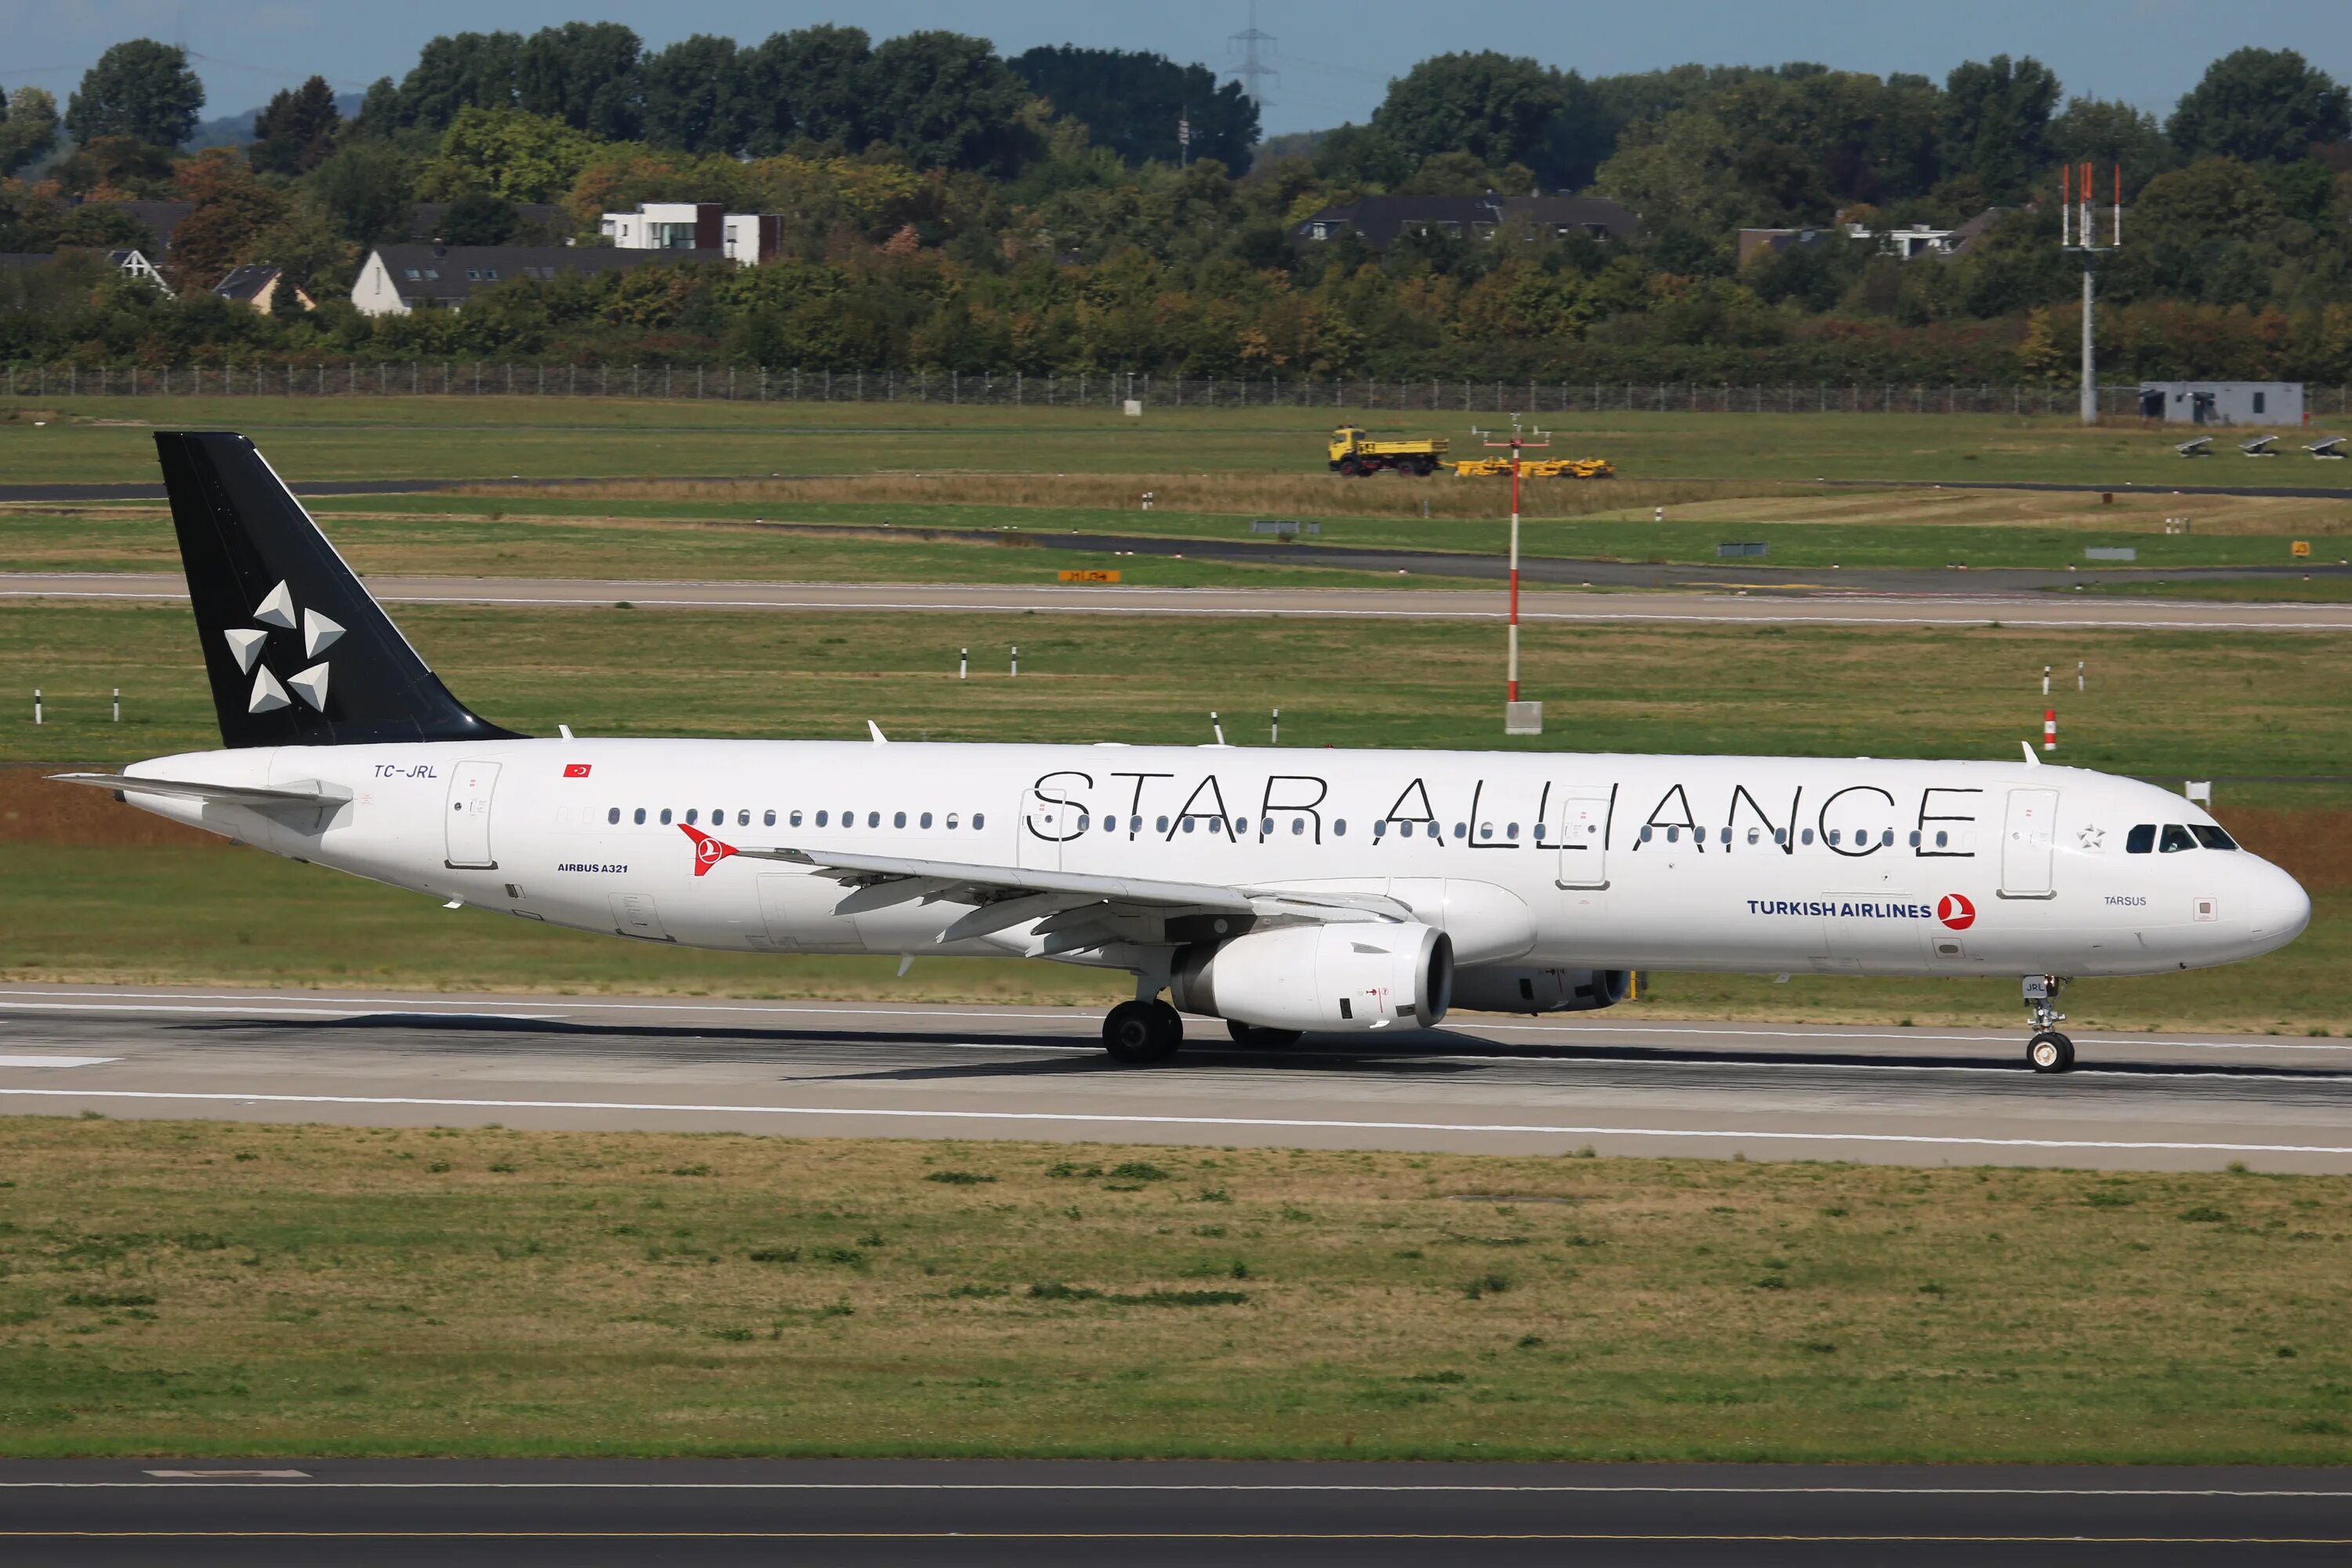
<point>1537,468</point>
<point>1355,455</point>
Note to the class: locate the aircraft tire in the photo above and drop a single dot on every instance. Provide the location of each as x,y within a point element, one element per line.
<point>1139,1034</point>
<point>1260,1038</point>
<point>2050,1051</point>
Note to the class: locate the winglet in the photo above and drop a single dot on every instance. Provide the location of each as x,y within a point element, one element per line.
<point>876,731</point>
<point>2030,757</point>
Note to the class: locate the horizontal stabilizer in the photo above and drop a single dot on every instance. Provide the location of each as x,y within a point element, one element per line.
<point>226,795</point>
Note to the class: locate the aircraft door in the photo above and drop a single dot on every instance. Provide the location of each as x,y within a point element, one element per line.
<point>1049,818</point>
<point>1581,821</point>
<point>466,823</point>
<point>2028,845</point>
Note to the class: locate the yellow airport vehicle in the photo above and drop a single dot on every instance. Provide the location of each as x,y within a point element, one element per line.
<point>1355,455</point>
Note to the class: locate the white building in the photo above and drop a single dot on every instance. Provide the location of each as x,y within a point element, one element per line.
<point>747,238</point>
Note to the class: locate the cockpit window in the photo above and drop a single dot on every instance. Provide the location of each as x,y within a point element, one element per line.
<point>2176,838</point>
<point>2212,837</point>
<point>2141,839</point>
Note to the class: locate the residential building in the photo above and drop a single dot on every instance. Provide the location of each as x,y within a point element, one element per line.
<point>1381,221</point>
<point>747,238</point>
<point>398,279</point>
<point>257,286</point>
<point>1911,243</point>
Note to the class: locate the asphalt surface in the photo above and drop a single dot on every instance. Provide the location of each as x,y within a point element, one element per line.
<point>1611,1082</point>
<point>1010,1512</point>
<point>1725,605</point>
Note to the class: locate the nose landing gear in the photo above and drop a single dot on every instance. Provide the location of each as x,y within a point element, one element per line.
<point>2047,1051</point>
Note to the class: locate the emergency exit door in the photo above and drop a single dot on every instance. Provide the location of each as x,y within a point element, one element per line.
<point>1581,822</point>
<point>466,821</point>
<point>2028,844</point>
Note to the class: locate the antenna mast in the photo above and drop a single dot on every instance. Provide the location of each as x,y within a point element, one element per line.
<point>2078,234</point>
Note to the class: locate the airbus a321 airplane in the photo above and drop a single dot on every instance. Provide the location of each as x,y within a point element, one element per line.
<point>1280,890</point>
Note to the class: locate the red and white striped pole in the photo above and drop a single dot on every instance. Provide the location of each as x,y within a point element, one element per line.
<point>2050,729</point>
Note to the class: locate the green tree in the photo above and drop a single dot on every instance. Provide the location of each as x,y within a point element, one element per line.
<point>1495,107</point>
<point>141,90</point>
<point>29,129</point>
<point>2261,106</point>
<point>1132,101</point>
<point>232,210</point>
<point>295,131</point>
<point>478,217</point>
<point>815,84</point>
<point>2108,134</point>
<point>1997,122</point>
<point>584,74</point>
<point>696,96</point>
<point>947,101</point>
<point>368,188</point>
<point>523,157</point>
<point>467,70</point>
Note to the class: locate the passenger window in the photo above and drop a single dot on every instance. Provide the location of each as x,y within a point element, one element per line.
<point>952,819</point>
<point>1673,835</point>
<point>819,818</point>
<point>1886,837</point>
<point>979,821</point>
<point>689,815</point>
<point>1298,826</point>
<point>1807,836</point>
<point>1754,835</point>
<point>1160,825</point>
<point>1266,827</point>
<point>1914,839</point>
<point>1380,828</point>
<point>1135,825</point>
<point>899,819</point>
<point>1833,835</point>
<point>1485,830</point>
<point>1339,828</point>
<point>1241,825</point>
<point>872,819</point>
<point>2140,839</point>
<point>1189,822</point>
<point>926,820</point>
<point>1405,828</point>
<point>2212,837</point>
<point>768,819</point>
<point>1511,831</point>
<point>1461,830</point>
<point>614,814</point>
<point>2176,838</point>
<point>1780,835</point>
<point>1942,838</point>
<point>1726,837</point>
<point>1110,825</point>
<point>1645,833</point>
<point>641,816</point>
<point>1539,832</point>
<point>1085,820</point>
<point>664,816</point>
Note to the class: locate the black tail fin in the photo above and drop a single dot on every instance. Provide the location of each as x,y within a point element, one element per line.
<point>298,652</point>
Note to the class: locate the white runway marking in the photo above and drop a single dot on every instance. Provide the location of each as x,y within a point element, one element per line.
<point>1065,1118</point>
<point>20,1061</point>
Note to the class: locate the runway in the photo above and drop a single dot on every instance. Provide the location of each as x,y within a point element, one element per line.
<point>276,1510</point>
<point>1724,604</point>
<point>1617,1084</point>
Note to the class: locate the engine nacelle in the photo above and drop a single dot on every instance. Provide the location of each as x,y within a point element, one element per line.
<point>1365,976</point>
<point>1504,990</point>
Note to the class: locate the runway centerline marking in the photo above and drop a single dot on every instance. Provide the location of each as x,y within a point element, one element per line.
<point>36,1061</point>
<point>1132,1119</point>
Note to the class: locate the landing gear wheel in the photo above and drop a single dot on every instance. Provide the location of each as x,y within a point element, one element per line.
<point>1261,1038</point>
<point>2050,1051</point>
<point>1138,1034</point>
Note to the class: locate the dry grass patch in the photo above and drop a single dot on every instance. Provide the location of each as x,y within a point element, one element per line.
<point>206,1287</point>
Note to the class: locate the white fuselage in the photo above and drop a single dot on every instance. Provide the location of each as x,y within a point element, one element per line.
<point>1604,862</point>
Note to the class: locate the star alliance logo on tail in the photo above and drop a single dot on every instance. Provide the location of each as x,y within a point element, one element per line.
<point>247,643</point>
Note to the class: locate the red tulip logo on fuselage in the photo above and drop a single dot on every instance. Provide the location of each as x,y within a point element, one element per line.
<point>1956,912</point>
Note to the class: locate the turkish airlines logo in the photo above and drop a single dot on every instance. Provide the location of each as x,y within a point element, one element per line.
<point>1955,911</point>
<point>708,851</point>
<point>576,770</point>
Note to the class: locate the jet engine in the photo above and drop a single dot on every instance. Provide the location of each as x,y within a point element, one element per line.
<point>1357,976</point>
<point>1504,990</point>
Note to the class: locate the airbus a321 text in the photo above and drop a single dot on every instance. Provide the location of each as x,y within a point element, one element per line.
<point>1280,890</point>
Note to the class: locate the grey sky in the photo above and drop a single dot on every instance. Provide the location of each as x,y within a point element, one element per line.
<point>1333,55</point>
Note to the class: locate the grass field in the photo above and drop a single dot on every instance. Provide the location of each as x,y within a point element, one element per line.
<point>73,908</point>
<point>210,1288</point>
<point>100,439</point>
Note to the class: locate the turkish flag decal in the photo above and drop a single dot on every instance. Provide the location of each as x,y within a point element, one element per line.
<point>576,769</point>
<point>708,851</point>
<point>1956,912</point>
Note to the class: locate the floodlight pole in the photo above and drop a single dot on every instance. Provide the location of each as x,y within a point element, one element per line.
<point>2078,231</point>
<point>1517,443</point>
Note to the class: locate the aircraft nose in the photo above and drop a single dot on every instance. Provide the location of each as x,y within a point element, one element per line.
<point>2280,908</point>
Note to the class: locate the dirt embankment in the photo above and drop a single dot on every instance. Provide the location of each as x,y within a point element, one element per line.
<point>2315,846</point>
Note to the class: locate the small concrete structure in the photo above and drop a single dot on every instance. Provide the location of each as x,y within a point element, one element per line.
<point>746,238</point>
<point>2223,402</point>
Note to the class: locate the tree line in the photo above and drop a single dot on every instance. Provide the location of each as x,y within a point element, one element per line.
<point>948,208</point>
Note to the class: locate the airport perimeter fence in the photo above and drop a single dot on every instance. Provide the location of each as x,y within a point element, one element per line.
<point>1111,390</point>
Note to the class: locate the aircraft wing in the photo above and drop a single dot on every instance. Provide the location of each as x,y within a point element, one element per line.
<point>226,795</point>
<point>1006,896</point>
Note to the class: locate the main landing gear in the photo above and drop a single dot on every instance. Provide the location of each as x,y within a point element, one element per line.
<point>2047,1051</point>
<point>1141,1032</point>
